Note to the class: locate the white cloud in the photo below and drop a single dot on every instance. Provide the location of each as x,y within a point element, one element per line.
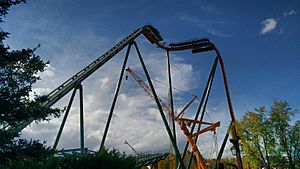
<point>49,72</point>
<point>41,91</point>
<point>218,33</point>
<point>38,91</point>
<point>289,13</point>
<point>268,25</point>
<point>104,82</point>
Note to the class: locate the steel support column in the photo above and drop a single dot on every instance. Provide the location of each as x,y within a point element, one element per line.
<point>115,97</point>
<point>81,119</point>
<point>205,104</point>
<point>177,153</point>
<point>222,147</point>
<point>171,103</point>
<point>64,120</point>
<point>212,72</point>
<point>233,131</point>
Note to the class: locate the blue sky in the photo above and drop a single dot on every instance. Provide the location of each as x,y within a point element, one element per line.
<point>259,42</point>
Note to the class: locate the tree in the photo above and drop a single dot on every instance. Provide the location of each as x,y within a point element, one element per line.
<point>280,117</point>
<point>270,137</point>
<point>99,160</point>
<point>256,136</point>
<point>295,141</point>
<point>18,72</point>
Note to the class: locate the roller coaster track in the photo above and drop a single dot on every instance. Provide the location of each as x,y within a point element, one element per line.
<point>75,80</point>
<point>145,159</point>
<point>142,159</point>
<point>153,35</point>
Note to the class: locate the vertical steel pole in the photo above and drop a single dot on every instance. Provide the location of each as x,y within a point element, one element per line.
<point>81,119</point>
<point>212,72</point>
<point>170,97</point>
<point>177,153</point>
<point>115,98</point>
<point>222,147</point>
<point>64,119</point>
<point>204,108</point>
<point>233,131</point>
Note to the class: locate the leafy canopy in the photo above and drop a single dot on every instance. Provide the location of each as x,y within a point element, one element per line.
<point>18,72</point>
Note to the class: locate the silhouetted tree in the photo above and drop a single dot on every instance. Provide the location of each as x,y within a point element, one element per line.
<point>18,72</point>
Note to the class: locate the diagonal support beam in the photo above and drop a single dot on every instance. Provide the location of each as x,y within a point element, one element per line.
<point>115,97</point>
<point>64,119</point>
<point>185,107</point>
<point>222,147</point>
<point>204,96</point>
<point>210,82</point>
<point>177,153</point>
<point>170,98</point>
<point>233,131</point>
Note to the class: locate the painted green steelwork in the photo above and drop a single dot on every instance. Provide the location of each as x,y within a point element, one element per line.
<point>216,165</point>
<point>177,153</point>
<point>115,97</point>
<point>199,108</point>
<point>210,81</point>
<point>170,97</point>
<point>64,119</point>
<point>71,83</point>
<point>81,119</point>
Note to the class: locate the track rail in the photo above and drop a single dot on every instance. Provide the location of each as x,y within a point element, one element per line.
<point>150,33</point>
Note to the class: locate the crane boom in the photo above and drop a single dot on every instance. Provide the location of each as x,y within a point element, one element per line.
<point>126,142</point>
<point>183,122</point>
<point>148,90</point>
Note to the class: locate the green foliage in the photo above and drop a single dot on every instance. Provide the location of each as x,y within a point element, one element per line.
<point>256,136</point>
<point>23,149</point>
<point>101,160</point>
<point>5,5</point>
<point>18,72</point>
<point>280,117</point>
<point>269,138</point>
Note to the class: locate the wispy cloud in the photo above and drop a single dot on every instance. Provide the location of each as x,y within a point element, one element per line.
<point>218,33</point>
<point>289,13</point>
<point>48,73</point>
<point>268,25</point>
<point>271,24</point>
<point>210,26</point>
<point>209,9</point>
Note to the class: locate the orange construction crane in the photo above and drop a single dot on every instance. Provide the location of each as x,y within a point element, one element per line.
<point>126,142</point>
<point>182,122</point>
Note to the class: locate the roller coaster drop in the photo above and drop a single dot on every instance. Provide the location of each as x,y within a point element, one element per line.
<point>153,35</point>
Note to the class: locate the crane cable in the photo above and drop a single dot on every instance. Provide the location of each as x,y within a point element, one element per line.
<point>158,81</point>
<point>214,145</point>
